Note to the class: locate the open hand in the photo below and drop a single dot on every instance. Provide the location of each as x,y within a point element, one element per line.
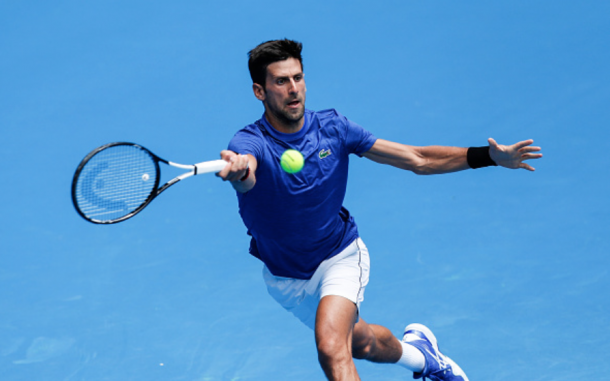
<point>513,156</point>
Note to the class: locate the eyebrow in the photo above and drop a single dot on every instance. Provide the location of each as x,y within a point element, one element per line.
<point>287,76</point>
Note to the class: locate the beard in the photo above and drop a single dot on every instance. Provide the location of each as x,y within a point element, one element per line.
<point>286,115</point>
<point>291,116</point>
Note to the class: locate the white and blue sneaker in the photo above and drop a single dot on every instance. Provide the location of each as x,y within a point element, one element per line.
<point>438,366</point>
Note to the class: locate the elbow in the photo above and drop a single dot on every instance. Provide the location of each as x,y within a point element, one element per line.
<point>417,163</point>
<point>422,171</point>
<point>421,167</point>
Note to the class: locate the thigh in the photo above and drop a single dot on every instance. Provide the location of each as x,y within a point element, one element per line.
<point>335,321</point>
<point>334,326</point>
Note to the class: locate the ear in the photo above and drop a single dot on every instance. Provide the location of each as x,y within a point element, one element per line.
<point>259,92</point>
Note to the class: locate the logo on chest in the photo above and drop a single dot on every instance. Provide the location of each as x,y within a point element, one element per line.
<point>323,154</point>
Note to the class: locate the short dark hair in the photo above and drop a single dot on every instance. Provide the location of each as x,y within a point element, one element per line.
<point>269,52</point>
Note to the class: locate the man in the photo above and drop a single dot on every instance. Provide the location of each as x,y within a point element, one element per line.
<point>316,265</point>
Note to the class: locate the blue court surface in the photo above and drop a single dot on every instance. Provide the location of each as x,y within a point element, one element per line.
<point>510,269</point>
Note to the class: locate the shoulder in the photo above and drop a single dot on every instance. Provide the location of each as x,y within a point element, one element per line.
<point>331,120</point>
<point>328,115</point>
<point>252,129</point>
<point>248,139</point>
<point>356,139</point>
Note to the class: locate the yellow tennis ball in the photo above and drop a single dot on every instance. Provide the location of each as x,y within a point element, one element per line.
<point>292,161</point>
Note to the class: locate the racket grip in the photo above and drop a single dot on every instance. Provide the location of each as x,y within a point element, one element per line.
<point>210,166</point>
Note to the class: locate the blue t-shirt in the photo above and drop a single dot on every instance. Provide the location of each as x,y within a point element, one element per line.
<point>298,220</point>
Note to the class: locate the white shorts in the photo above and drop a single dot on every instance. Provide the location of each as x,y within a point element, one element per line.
<point>346,274</point>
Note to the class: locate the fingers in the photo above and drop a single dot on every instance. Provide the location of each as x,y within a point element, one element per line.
<point>527,150</point>
<point>528,156</point>
<point>236,166</point>
<point>522,144</point>
<point>513,156</point>
<point>524,148</point>
<point>226,155</point>
<point>527,166</point>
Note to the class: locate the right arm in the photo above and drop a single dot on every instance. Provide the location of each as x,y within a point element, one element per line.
<point>236,169</point>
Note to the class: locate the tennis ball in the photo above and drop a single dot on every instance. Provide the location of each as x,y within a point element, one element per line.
<point>292,161</point>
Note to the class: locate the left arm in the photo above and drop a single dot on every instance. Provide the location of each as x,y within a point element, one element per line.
<point>440,159</point>
<point>420,160</point>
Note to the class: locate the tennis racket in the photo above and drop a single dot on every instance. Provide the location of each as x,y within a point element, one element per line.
<point>116,181</point>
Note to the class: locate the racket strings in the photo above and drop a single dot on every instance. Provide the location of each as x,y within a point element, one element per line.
<point>115,182</point>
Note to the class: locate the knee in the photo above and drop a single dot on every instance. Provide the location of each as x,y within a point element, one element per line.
<point>333,352</point>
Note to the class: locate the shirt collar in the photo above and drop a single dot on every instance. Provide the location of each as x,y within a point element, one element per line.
<point>288,137</point>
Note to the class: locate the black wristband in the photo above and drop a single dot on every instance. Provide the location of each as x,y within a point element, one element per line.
<point>478,157</point>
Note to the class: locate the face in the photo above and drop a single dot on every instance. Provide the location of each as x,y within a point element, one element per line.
<point>284,94</point>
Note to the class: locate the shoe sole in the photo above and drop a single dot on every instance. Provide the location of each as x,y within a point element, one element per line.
<point>456,369</point>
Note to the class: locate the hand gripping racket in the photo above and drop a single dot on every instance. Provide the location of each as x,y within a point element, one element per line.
<point>116,181</point>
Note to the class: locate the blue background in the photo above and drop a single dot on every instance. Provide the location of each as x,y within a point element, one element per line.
<point>509,268</point>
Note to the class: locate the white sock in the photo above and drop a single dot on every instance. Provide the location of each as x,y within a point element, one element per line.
<point>412,358</point>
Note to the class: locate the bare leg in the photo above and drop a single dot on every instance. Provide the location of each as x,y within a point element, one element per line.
<point>375,343</point>
<point>335,320</point>
<point>339,340</point>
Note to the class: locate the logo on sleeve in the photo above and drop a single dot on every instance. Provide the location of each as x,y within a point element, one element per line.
<point>324,153</point>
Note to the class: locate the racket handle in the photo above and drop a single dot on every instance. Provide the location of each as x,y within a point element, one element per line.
<point>210,166</point>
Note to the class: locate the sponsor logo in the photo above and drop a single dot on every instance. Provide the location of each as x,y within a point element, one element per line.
<point>324,153</point>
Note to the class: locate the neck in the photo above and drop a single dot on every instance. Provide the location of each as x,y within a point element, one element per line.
<point>284,125</point>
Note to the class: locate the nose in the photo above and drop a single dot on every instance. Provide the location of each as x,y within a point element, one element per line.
<point>293,87</point>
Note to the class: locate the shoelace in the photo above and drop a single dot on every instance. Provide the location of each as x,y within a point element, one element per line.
<point>436,354</point>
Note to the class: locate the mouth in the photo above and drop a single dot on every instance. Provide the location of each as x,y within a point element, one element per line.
<point>294,104</point>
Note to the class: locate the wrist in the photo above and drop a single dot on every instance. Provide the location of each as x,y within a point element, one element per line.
<point>244,177</point>
<point>478,157</point>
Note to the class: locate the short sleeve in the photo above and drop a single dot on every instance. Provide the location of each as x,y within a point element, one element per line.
<point>358,140</point>
<point>247,141</point>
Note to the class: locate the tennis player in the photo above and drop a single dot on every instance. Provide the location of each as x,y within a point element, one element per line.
<point>315,264</point>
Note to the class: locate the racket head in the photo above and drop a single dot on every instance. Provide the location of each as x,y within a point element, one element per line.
<point>114,182</point>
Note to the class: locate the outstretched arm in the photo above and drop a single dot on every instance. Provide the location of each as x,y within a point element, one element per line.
<point>440,159</point>
<point>421,160</point>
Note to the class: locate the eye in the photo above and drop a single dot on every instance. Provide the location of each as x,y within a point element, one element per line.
<point>298,78</point>
<point>280,81</point>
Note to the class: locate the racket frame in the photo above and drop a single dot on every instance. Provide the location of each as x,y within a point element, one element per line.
<point>193,169</point>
